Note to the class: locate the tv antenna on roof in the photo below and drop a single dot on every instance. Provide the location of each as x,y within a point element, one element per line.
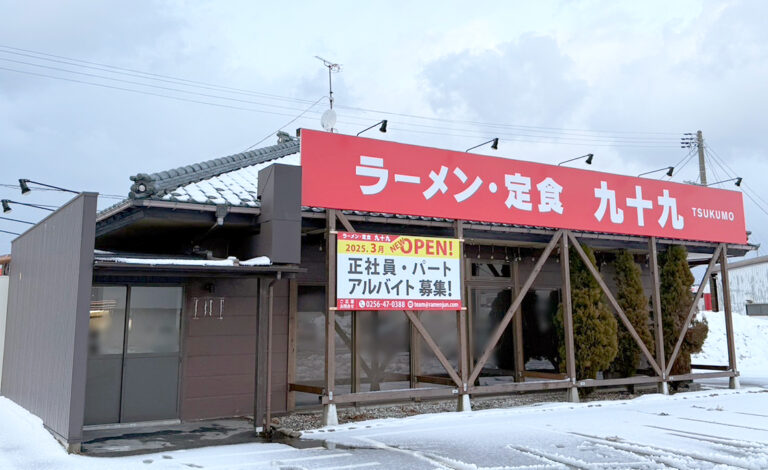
<point>328,119</point>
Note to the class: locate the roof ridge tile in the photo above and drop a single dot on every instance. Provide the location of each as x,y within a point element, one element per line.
<point>148,185</point>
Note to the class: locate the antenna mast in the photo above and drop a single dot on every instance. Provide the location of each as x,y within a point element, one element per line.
<point>332,67</point>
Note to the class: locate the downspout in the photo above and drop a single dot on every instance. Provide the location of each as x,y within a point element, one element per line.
<point>267,428</point>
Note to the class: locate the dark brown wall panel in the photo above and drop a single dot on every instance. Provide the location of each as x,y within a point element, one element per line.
<point>48,312</point>
<point>219,352</point>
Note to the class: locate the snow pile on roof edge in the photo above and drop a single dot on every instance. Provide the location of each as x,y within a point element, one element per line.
<point>230,261</point>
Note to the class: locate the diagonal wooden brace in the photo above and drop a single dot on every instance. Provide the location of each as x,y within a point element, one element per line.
<point>433,346</point>
<point>694,307</point>
<point>345,222</point>
<point>499,331</point>
<point>615,304</point>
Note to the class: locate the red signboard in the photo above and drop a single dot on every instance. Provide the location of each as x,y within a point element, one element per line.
<point>354,173</point>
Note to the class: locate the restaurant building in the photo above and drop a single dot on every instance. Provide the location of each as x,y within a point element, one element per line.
<point>330,270</point>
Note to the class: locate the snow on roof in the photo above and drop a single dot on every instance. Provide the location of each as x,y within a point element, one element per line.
<point>231,261</point>
<point>235,188</point>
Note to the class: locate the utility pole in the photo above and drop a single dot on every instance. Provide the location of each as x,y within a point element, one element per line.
<point>702,164</point>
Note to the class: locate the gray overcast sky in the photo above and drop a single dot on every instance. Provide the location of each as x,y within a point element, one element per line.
<point>622,80</point>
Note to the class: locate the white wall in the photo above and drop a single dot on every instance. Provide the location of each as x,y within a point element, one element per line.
<point>747,283</point>
<point>3,311</point>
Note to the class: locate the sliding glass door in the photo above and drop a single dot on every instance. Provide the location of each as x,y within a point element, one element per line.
<point>133,361</point>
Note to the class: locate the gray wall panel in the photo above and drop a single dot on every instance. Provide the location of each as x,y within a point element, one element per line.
<point>48,313</point>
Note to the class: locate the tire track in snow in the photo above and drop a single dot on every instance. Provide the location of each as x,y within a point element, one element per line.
<point>672,457</point>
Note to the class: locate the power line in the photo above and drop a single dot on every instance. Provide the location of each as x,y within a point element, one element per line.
<point>512,126</point>
<point>603,135</point>
<point>678,167</point>
<point>746,190</point>
<point>158,87</point>
<point>577,138</point>
<point>688,158</point>
<point>142,92</point>
<point>286,124</point>
<point>508,137</point>
<point>534,139</point>
<point>17,220</point>
<point>745,184</point>
<point>139,73</point>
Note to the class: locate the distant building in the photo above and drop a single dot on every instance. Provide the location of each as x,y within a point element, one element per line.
<point>4,262</point>
<point>748,284</point>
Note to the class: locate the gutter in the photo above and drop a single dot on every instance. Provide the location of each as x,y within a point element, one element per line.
<point>174,205</point>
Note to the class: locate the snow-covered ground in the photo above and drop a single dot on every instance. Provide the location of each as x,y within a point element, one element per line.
<point>720,429</point>
<point>707,429</point>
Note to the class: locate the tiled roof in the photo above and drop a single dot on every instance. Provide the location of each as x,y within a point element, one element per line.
<point>235,188</point>
<point>228,180</point>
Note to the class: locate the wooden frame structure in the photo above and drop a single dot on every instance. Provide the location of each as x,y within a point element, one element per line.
<point>462,381</point>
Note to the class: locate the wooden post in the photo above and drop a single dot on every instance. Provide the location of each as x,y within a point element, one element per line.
<point>262,372</point>
<point>355,354</point>
<point>461,330</point>
<point>733,382</point>
<point>657,322</point>
<point>517,325</point>
<point>415,354</point>
<point>467,266</point>
<point>330,417</point>
<point>377,372</point>
<point>570,353</point>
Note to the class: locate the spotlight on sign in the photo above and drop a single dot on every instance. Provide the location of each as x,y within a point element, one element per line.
<point>737,180</point>
<point>669,169</point>
<point>588,160</point>
<point>494,144</point>
<point>383,127</point>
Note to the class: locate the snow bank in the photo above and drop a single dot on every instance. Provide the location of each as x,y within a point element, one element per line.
<point>751,335</point>
<point>26,445</point>
<point>231,261</point>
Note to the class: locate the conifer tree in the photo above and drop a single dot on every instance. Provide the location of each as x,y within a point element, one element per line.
<point>675,281</point>
<point>594,326</point>
<point>634,303</point>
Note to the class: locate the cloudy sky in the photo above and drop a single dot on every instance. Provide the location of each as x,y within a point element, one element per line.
<point>92,92</point>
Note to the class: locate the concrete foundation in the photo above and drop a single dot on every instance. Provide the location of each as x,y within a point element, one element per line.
<point>733,383</point>
<point>330,417</point>
<point>464,403</point>
<point>572,395</point>
<point>664,388</point>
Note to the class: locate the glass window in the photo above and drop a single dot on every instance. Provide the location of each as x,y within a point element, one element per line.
<point>441,326</point>
<point>489,308</point>
<point>541,343</point>
<point>153,323</point>
<point>310,334</point>
<point>107,323</point>
<point>490,269</point>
